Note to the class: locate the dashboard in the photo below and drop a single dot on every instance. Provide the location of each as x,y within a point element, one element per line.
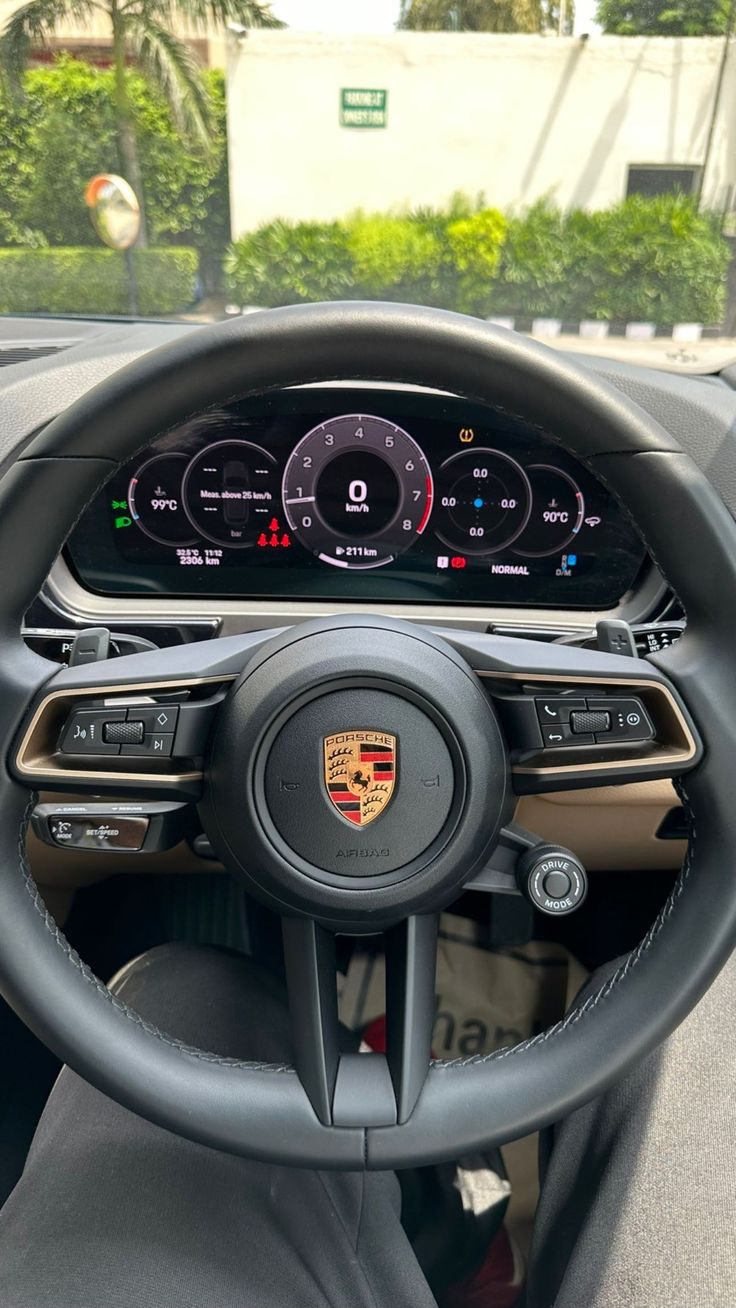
<point>622,827</point>
<point>366,495</point>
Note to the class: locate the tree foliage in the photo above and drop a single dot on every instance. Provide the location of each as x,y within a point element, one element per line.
<point>472,15</point>
<point>62,132</point>
<point>141,31</point>
<point>660,18</point>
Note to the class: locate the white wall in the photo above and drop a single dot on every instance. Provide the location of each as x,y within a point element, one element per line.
<point>514,117</point>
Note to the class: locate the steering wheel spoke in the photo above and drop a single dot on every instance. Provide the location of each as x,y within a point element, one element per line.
<point>577,717</point>
<point>498,875</point>
<point>347,1088</point>
<point>411,964</point>
<point>309,957</point>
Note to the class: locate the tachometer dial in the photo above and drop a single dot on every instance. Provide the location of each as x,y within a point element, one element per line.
<point>558,510</point>
<point>485,501</point>
<point>231,492</point>
<point>357,490</point>
<point>155,500</point>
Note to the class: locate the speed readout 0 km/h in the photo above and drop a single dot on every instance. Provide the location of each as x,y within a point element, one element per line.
<point>357,491</point>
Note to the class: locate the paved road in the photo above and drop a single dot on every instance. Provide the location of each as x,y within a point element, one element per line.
<point>662,352</point>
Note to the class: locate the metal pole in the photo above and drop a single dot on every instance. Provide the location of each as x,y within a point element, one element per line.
<point>716,100</point>
<point>132,282</point>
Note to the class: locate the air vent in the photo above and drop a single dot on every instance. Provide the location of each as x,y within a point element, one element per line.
<point>24,353</point>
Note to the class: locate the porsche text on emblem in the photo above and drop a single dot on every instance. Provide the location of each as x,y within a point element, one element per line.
<point>360,773</point>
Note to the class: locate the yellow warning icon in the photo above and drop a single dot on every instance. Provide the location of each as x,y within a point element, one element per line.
<point>467,435</point>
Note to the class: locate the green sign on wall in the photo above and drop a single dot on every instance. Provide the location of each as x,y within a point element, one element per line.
<point>362,107</point>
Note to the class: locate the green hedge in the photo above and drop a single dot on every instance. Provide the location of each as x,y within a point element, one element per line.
<point>670,262</point>
<point>95,281</point>
<point>650,260</point>
<point>287,263</point>
<point>655,260</point>
<point>62,132</point>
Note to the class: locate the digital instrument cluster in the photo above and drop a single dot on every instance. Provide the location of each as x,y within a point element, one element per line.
<point>358,495</point>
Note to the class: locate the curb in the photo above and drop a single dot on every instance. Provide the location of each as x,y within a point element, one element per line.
<point>684,333</point>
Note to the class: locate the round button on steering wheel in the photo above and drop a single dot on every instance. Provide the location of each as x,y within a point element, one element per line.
<point>361,771</point>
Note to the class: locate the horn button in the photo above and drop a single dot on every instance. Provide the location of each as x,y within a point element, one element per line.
<point>357,773</point>
<point>359,782</point>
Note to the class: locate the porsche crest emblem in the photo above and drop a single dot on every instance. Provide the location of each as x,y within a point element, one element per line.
<point>360,773</point>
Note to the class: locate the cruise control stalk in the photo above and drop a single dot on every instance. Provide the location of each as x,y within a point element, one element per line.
<point>146,828</point>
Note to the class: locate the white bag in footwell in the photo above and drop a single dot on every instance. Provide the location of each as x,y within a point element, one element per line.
<point>484,1000</point>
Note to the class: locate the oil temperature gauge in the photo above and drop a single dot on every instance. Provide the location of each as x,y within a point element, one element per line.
<point>155,500</point>
<point>558,512</point>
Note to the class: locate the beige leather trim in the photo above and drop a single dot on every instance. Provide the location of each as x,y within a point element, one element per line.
<point>611,828</point>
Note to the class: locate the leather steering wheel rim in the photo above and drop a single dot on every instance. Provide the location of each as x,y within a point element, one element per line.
<point>263,1111</point>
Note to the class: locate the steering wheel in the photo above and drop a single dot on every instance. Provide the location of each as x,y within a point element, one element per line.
<point>449,714</point>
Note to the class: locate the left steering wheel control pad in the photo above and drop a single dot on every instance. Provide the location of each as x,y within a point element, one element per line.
<point>338,784</point>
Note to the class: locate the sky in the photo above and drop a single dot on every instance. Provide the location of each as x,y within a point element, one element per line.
<point>376,15</point>
<point>338,15</point>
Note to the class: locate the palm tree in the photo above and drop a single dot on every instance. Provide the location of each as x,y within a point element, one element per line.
<point>141,32</point>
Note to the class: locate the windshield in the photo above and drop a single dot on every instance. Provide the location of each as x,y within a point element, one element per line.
<point>563,167</point>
